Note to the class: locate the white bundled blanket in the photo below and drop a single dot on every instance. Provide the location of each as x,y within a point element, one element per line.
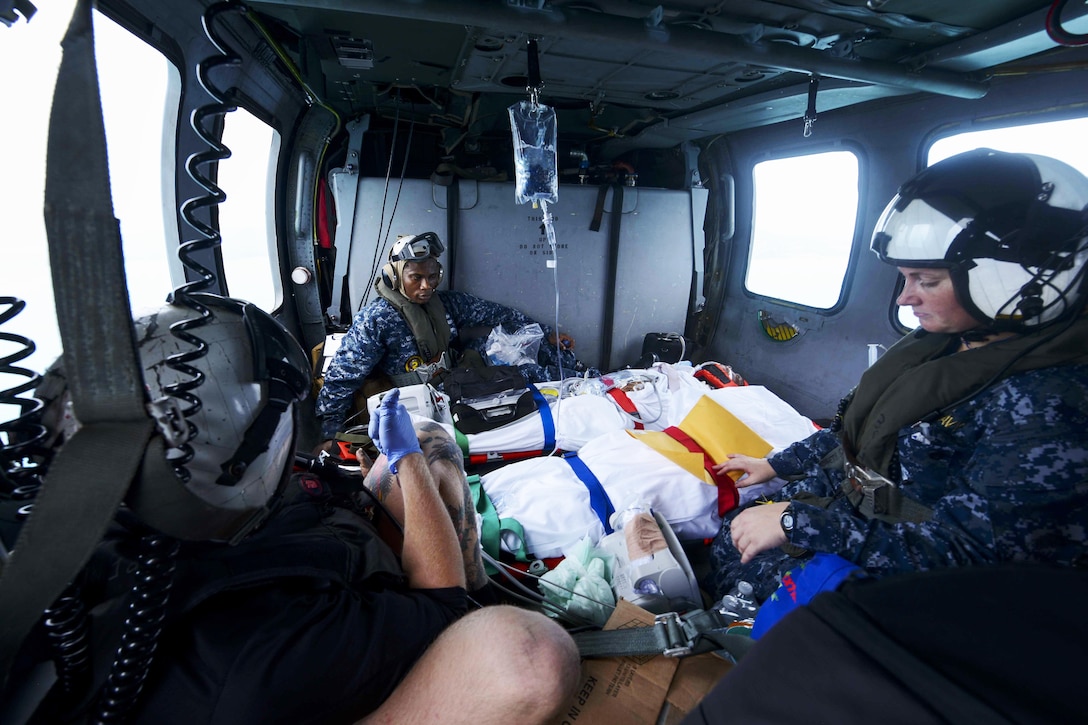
<point>553,505</point>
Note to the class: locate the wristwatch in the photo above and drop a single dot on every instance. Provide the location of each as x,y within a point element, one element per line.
<point>787,521</point>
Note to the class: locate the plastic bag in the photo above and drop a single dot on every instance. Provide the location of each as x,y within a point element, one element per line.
<point>516,348</point>
<point>536,164</point>
<point>580,583</point>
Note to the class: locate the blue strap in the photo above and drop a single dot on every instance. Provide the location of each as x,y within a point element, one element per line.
<point>598,498</point>
<point>545,418</point>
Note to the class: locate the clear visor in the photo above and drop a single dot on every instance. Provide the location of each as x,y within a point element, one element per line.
<point>917,233</point>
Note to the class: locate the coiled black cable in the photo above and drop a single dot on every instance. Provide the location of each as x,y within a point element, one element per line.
<point>145,612</point>
<point>68,626</point>
<point>204,121</point>
<point>21,436</point>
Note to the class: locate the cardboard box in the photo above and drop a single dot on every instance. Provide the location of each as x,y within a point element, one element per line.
<point>635,690</point>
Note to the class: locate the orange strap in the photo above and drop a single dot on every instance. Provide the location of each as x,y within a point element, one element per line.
<point>728,498</point>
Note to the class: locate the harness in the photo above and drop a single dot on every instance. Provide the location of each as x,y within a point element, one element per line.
<point>873,495</point>
<point>429,327</point>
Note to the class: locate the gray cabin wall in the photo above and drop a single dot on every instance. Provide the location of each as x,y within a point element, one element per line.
<point>502,254</point>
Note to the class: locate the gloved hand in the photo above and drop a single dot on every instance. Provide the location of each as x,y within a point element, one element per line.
<point>392,431</point>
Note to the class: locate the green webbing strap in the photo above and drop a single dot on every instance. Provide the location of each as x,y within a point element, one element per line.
<point>462,442</point>
<point>671,635</point>
<point>492,527</point>
<point>88,478</point>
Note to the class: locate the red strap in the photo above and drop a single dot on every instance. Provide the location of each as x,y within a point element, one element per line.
<point>728,498</point>
<point>475,459</point>
<point>625,404</point>
<point>345,451</point>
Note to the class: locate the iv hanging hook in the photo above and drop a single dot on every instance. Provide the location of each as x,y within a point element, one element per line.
<point>535,84</point>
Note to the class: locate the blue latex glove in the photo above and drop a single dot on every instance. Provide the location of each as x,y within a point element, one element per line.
<point>392,431</point>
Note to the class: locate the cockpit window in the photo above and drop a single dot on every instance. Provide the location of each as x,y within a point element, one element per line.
<point>792,257</point>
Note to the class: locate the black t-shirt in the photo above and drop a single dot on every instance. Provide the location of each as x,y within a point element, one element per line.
<point>291,654</point>
<point>308,621</point>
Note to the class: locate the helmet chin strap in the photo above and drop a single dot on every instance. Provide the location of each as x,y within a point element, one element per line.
<point>978,334</point>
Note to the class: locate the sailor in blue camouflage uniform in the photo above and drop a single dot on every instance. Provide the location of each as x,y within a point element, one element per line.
<point>967,442</point>
<point>407,332</point>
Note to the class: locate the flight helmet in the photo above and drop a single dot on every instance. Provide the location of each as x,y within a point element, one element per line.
<point>411,248</point>
<point>1010,229</point>
<point>230,455</point>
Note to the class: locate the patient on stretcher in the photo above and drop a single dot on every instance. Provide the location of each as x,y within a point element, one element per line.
<point>583,456</point>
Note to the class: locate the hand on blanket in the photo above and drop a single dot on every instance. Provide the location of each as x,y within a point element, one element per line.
<point>392,431</point>
<point>758,528</point>
<point>758,470</point>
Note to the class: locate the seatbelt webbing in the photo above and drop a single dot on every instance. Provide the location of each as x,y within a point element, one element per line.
<point>598,497</point>
<point>89,477</point>
<point>728,498</point>
<point>671,635</point>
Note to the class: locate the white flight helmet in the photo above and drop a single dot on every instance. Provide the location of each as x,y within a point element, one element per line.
<point>1010,228</point>
<point>239,398</point>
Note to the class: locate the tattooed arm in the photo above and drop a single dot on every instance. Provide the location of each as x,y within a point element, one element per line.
<point>445,461</point>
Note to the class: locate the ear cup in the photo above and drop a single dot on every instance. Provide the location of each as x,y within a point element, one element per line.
<point>389,275</point>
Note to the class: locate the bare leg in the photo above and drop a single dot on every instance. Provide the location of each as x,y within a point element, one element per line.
<point>447,467</point>
<point>497,665</point>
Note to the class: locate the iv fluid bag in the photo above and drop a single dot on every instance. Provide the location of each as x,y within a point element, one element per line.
<point>535,162</point>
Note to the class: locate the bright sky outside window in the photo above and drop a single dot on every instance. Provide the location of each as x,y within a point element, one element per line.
<point>803,227</point>
<point>246,218</point>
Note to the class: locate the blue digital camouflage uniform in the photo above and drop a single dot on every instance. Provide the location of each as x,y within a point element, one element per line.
<point>1006,475</point>
<point>381,340</point>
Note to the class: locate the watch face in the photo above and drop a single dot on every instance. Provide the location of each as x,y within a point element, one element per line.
<point>787,521</point>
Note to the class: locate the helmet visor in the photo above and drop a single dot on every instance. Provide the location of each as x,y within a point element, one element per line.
<point>914,233</point>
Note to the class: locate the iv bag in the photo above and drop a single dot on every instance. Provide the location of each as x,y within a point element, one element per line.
<point>535,161</point>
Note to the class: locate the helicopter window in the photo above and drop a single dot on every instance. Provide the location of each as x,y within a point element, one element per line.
<point>140,91</point>
<point>1060,139</point>
<point>791,258</point>
<point>246,217</point>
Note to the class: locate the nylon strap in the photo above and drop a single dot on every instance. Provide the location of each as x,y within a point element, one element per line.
<point>598,209</point>
<point>728,498</point>
<point>598,497</point>
<point>545,418</point>
<point>90,475</point>
<point>874,496</point>
<point>492,527</point>
<point>671,635</point>
<point>626,405</point>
